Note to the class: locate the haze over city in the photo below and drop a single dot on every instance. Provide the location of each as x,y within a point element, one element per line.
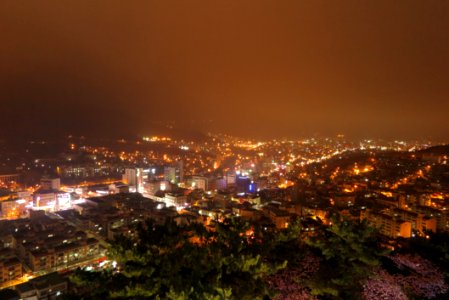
<point>212,149</point>
<point>250,68</point>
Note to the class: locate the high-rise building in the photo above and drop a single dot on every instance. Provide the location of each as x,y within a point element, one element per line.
<point>174,173</point>
<point>134,178</point>
<point>180,171</point>
<point>170,174</point>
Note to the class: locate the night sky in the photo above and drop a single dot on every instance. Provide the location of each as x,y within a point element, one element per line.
<point>249,68</point>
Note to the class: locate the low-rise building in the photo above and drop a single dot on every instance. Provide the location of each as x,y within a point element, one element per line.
<point>10,269</point>
<point>279,217</point>
<point>390,226</point>
<point>50,286</point>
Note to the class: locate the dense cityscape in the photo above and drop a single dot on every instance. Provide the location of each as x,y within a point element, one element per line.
<point>62,208</point>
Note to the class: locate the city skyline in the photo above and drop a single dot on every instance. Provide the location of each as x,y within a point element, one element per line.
<point>251,68</point>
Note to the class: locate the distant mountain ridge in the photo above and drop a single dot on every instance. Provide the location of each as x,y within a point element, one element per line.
<point>440,149</point>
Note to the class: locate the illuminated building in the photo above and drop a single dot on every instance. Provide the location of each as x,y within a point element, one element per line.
<point>51,200</point>
<point>118,188</point>
<point>45,200</point>
<point>152,187</point>
<point>279,217</point>
<point>174,173</point>
<point>62,255</point>
<point>170,174</point>
<point>440,215</point>
<point>10,269</point>
<point>134,178</point>
<point>25,195</point>
<point>13,209</point>
<point>343,200</point>
<point>200,182</point>
<point>391,226</point>
<point>8,178</point>
<point>230,179</point>
<point>175,199</point>
<point>418,221</point>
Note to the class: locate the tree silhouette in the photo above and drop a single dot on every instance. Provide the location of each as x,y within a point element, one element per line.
<point>350,250</point>
<point>172,261</point>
